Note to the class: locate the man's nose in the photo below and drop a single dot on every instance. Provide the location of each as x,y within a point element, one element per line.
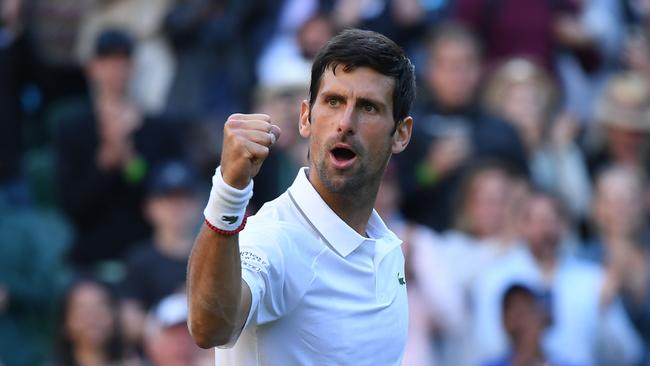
<point>348,120</point>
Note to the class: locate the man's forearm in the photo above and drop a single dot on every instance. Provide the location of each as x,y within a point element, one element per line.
<point>215,289</point>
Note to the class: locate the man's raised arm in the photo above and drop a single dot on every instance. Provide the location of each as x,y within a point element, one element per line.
<point>219,300</point>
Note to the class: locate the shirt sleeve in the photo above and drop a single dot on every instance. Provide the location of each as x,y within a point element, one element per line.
<point>274,270</point>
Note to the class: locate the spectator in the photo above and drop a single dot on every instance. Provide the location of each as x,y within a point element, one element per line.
<point>590,42</point>
<point>524,319</point>
<point>584,331</point>
<point>400,20</point>
<point>482,236</point>
<point>289,56</point>
<point>167,340</point>
<point>637,42</point>
<point>215,44</point>
<point>16,64</point>
<point>622,135</point>
<point>622,245</point>
<point>31,279</point>
<point>290,151</point>
<point>452,130</point>
<point>157,267</point>
<point>436,314</point>
<point>104,149</point>
<point>525,95</point>
<point>54,26</point>
<point>153,62</point>
<point>535,29</point>
<point>89,329</point>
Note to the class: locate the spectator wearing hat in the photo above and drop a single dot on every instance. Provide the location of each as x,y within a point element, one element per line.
<point>623,131</point>
<point>104,148</point>
<point>156,268</point>
<point>167,339</point>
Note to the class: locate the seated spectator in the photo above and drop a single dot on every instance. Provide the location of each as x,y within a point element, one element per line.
<point>621,243</point>
<point>522,92</point>
<point>167,339</point>
<point>584,331</point>
<point>104,149</point>
<point>622,135</point>
<point>88,333</point>
<point>156,268</point>
<point>452,129</point>
<point>525,319</point>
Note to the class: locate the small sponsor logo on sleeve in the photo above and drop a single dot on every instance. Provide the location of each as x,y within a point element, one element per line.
<point>252,261</point>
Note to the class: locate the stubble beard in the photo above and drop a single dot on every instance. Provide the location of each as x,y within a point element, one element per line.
<point>355,183</point>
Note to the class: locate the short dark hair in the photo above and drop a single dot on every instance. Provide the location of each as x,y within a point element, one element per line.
<point>354,48</point>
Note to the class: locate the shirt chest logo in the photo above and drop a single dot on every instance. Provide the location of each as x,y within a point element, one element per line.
<point>401,279</point>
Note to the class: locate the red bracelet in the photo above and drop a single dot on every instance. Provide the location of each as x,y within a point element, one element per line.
<point>227,232</point>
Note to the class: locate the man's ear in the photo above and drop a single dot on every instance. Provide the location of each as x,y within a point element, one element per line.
<point>402,135</point>
<point>305,125</point>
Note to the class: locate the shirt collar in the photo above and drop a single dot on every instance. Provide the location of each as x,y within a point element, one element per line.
<point>329,225</point>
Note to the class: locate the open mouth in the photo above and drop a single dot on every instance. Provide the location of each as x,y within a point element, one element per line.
<point>343,154</point>
<point>343,157</point>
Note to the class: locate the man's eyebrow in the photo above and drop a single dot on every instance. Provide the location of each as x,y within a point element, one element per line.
<point>331,93</point>
<point>365,100</point>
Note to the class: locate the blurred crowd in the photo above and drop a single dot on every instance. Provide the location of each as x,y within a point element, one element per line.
<point>523,199</point>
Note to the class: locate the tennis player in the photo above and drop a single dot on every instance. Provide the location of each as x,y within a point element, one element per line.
<point>315,277</point>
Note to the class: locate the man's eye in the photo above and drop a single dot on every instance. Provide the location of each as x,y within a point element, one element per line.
<point>369,108</point>
<point>333,102</point>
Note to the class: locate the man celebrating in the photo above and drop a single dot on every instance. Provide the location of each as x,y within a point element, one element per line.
<point>316,277</point>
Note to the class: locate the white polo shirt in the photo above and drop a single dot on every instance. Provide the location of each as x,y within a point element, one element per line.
<point>321,293</point>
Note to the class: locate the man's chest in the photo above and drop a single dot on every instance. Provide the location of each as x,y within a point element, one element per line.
<point>359,306</point>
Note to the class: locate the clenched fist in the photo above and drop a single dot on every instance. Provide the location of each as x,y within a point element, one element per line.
<point>246,142</point>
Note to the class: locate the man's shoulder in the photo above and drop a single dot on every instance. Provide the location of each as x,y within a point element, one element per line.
<point>280,215</point>
<point>278,225</point>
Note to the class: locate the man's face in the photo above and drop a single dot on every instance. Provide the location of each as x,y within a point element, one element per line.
<point>487,203</point>
<point>111,72</point>
<point>628,146</point>
<point>175,211</point>
<point>350,130</point>
<point>453,72</point>
<point>542,224</point>
<point>523,318</point>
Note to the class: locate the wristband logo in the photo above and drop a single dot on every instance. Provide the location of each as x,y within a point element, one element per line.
<point>229,219</point>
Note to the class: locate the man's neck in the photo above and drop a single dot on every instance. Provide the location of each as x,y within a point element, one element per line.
<point>353,208</point>
<point>546,260</point>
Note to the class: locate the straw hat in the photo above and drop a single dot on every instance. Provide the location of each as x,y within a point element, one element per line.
<point>625,103</point>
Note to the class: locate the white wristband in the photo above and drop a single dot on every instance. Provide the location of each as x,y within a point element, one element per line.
<point>226,207</point>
